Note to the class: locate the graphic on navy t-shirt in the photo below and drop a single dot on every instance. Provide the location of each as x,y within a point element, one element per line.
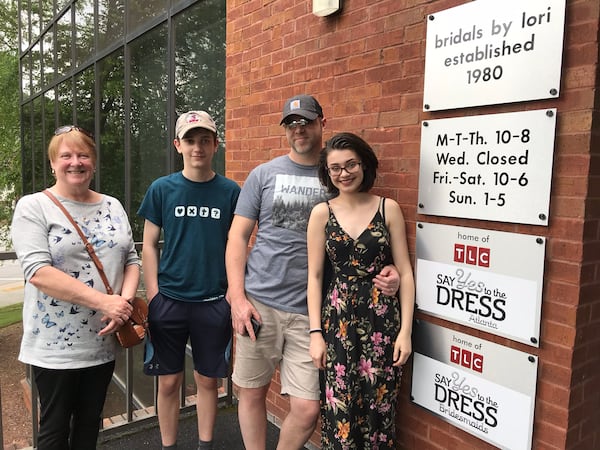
<point>294,199</point>
<point>195,211</point>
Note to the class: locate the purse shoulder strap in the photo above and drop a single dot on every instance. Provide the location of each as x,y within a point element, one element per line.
<point>88,246</point>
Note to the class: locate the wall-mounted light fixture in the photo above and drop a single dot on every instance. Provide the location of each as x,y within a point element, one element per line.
<point>326,7</point>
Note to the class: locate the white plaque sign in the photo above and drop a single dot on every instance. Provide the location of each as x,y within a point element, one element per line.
<point>491,52</point>
<point>481,387</point>
<point>492,167</point>
<point>488,280</point>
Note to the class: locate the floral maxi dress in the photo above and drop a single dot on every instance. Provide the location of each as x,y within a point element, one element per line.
<point>359,386</point>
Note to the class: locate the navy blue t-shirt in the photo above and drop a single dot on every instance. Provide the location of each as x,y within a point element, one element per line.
<point>195,218</point>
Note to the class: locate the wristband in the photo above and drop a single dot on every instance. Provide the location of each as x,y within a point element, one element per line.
<point>315,330</point>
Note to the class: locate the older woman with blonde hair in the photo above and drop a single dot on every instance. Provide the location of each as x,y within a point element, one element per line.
<point>68,316</point>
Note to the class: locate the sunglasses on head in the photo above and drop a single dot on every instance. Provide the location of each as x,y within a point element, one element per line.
<point>68,128</point>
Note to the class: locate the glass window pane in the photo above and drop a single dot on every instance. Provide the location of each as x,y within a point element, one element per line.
<point>36,68</point>
<point>27,149</point>
<point>111,19</point>
<point>63,44</point>
<point>65,103</point>
<point>39,150</point>
<point>47,12</point>
<point>24,19</point>
<point>50,126</point>
<point>84,31</point>
<point>48,57</point>
<point>84,99</point>
<point>143,386</point>
<point>60,4</point>
<point>35,20</point>
<point>200,64</point>
<point>142,11</point>
<point>26,75</point>
<point>111,137</point>
<point>149,84</point>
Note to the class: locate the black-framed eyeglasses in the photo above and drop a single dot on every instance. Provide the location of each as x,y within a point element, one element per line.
<point>297,123</point>
<point>68,128</point>
<point>350,167</point>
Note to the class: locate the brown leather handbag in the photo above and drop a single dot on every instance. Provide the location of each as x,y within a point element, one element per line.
<point>134,330</point>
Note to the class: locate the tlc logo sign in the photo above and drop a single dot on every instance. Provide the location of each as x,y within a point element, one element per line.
<point>470,254</point>
<point>466,358</point>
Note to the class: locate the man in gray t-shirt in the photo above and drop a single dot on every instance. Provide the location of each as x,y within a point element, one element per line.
<point>269,284</point>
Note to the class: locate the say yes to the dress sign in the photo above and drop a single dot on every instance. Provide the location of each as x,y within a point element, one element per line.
<point>488,280</point>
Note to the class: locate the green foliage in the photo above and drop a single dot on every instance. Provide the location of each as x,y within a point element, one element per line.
<point>10,154</point>
<point>10,314</point>
<point>8,25</point>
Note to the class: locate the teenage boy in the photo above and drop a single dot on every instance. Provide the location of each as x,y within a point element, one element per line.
<point>186,279</point>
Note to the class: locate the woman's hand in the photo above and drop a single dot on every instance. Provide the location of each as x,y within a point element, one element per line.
<point>402,349</point>
<point>116,310</point>
<point>318,350</point>
<point>111,327</point>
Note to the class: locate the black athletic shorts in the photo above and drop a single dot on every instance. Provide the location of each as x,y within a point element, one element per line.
<point>207,326</point>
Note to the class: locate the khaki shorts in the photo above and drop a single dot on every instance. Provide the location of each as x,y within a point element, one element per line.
<point>283,340</point>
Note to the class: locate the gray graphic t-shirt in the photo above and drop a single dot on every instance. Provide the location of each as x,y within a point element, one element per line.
<point>280,195</point>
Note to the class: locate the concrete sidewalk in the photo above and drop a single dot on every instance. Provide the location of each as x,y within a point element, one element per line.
<point>227,435</point>
<point>11,283</point>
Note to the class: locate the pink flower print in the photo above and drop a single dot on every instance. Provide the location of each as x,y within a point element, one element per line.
<point>377,338</point>
<point>366,369</point>
<point>374,438</point>
<point>384,408</point>
<point>340,370</point>
<point>330,399</point>
<point>381,310</point>
<point>335,297</point>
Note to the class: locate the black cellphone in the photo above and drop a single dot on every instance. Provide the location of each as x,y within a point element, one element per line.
<point>255,326</point>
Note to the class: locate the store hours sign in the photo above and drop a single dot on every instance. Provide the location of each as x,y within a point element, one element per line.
<point>484,388</point>
<point>491,167</point>
<point>491,52</point>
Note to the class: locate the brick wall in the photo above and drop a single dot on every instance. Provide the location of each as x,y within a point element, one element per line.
<point>366,67</point>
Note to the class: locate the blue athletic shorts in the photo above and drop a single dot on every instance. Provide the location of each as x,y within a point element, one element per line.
<point>207,325</point>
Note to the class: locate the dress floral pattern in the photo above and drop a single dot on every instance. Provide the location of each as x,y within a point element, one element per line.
<point>359,386</point>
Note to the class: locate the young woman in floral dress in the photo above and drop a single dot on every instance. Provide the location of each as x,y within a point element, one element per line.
<point>359,336</point>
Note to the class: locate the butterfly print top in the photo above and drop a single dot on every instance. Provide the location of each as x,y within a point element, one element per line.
<point>58,334</point>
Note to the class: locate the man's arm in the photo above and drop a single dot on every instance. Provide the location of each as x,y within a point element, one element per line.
<point>236,254</point>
